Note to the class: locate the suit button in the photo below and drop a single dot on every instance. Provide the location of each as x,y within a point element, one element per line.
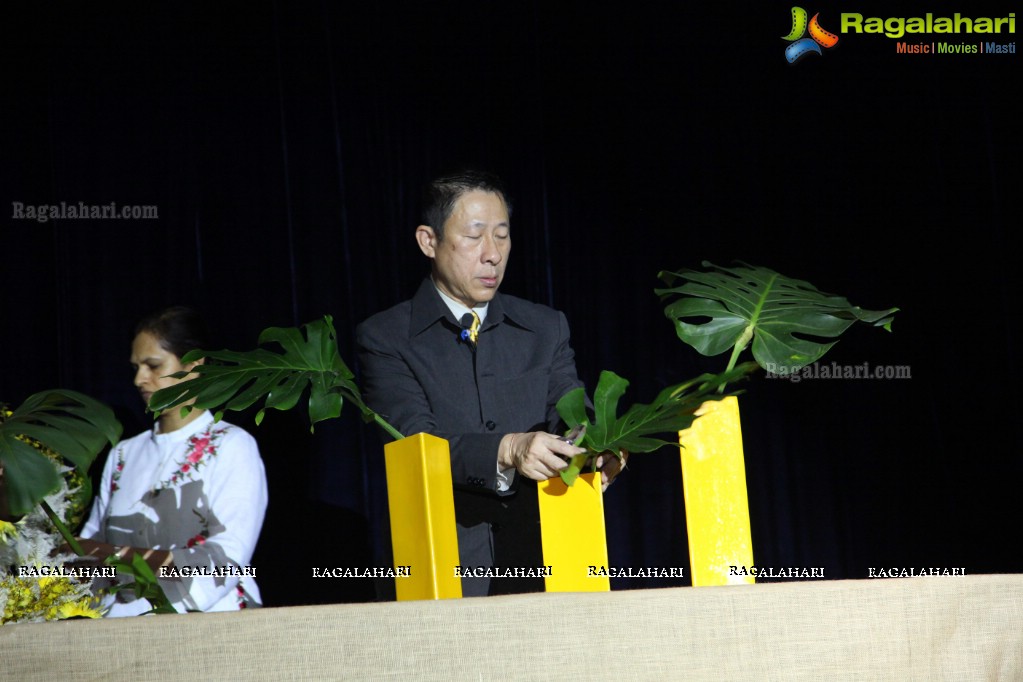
<point>491,425</point>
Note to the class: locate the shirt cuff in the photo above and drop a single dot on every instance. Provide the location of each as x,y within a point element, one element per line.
<point>504,478</point>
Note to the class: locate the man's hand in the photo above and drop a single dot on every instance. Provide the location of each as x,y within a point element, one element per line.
<point>536,455</point>
<point>610,466</point>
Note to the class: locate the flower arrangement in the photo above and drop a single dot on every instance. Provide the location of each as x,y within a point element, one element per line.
<point>34,600</point>
<point>34,541</point>
<point>786,322</point>
<point>38,440</point>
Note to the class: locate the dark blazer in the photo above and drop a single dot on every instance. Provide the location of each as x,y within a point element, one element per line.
<point>418,374</point>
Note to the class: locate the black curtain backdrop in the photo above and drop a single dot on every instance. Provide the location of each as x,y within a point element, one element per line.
<point>284,145</point>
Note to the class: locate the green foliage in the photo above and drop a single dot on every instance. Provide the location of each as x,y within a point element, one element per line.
<point>62,424</point>
<point>145,584</point>
<point>232,380</point>
<point>640,428</point>
<point>70,423</point>
<point>754,303</point>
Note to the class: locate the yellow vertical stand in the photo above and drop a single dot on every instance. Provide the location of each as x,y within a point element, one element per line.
<point>572,530</point>
<point>714,484</point>
<point>422,506</point>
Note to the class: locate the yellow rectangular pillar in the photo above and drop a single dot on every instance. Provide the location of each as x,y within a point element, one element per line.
<point>573,534</point>
<point>714,484</point>
<point>422,506</point>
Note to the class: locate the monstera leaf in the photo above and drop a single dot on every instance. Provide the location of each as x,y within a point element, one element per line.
<point>66,422</point>
<point>641,428</point>
<point>727,307</point>
<point>232,380</point>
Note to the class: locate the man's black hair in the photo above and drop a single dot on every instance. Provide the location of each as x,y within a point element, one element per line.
<point>440,195</point>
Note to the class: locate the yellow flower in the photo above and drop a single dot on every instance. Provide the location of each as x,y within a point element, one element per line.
<point>83,608</point>
<point>52,583</point>
<point>7,530</point>
<point>44,598</point>
<point>20,598</point>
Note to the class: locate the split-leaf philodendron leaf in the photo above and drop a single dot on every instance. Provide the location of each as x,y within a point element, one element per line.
<point>726,308</point>
<point>232,380</point>
<point>643,427</point>
<point>67,422</point>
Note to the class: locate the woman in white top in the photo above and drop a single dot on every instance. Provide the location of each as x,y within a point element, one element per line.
<point>189,495</point>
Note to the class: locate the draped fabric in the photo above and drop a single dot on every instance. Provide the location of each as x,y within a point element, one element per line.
<point>284,146</point>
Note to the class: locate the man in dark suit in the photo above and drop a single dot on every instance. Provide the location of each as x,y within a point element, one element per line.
<point>491,392</point>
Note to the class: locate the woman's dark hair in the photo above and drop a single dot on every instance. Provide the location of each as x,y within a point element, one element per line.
<point>179,329</point>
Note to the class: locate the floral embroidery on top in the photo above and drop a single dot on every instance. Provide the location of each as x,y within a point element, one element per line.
<point>200,538</point>
<point>202,447</point>
<point>117,470</point>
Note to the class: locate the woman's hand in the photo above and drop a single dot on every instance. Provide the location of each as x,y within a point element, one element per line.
<point>99,551</point>
<point>95,550</point>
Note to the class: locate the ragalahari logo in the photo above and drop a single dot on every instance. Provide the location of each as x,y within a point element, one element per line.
<point>802,46</point>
